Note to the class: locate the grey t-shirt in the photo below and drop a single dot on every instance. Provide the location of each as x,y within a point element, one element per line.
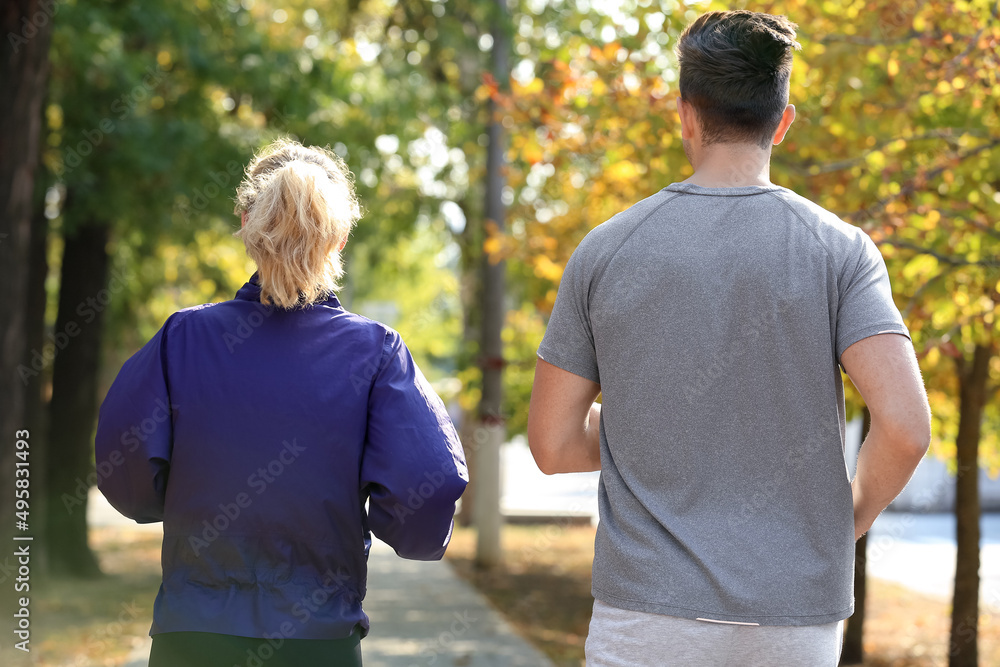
<point>714,321</point>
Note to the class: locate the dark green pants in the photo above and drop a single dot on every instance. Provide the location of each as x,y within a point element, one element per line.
<point>207,649</point>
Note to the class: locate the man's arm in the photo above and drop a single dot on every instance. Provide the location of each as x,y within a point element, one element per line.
<point>884,369</point>
<point>563,421</point>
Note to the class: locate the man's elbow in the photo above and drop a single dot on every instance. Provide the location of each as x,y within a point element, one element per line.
<point>910,436</point>
<point>918,441</point>
<point>547,465</point>
<point>545,457</point>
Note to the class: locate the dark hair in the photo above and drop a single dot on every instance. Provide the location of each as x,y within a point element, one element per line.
<point>734,71</point>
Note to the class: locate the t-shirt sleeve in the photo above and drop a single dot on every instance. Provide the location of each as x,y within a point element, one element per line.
<point>569,340</point>
<point>866,307</point>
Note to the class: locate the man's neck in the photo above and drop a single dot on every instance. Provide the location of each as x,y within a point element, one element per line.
<point>731,166</point>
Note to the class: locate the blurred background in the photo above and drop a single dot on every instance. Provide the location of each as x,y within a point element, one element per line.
<point>487,138</point>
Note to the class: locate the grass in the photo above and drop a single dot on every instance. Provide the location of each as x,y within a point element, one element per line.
<point>543,589</point>
<point>97,622</point>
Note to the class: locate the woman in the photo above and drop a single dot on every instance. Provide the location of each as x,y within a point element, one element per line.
<point>257,429</point>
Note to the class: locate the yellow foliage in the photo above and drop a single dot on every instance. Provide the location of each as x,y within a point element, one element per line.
<point>874,142</point>
<point>622,170</point>
<point>533,87</point>
<point>493,247</point>
<point>546,269</point>
<point>483,93</point>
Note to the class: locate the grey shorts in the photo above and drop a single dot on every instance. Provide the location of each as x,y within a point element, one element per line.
<point>622,638</point>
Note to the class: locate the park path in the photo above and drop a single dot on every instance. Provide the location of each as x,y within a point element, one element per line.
<point>422,614</point>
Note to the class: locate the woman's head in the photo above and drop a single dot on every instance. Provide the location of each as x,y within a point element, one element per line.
<point>298,207</point>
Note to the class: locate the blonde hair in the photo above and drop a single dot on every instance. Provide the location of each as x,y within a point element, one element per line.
<point>300,207</point>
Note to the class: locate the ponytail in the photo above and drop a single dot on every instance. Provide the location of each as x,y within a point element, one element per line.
<point>300,207</point>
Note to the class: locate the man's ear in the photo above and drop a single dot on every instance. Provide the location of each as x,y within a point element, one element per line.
<point>243,219</point>
<point>786,121</point>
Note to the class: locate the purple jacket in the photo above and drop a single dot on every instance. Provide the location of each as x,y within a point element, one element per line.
<point>257,435</point>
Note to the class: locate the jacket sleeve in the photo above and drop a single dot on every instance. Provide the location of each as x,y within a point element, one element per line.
<point>135,434</point>
<point>413,467</point>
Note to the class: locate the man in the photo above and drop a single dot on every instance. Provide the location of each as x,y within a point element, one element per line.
<point>712,317</point>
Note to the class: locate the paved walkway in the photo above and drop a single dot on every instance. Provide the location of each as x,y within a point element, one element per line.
<point>422,614</point>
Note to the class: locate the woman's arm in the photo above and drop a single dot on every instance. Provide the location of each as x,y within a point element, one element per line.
<point>135,434</point>
<point>413,467</point>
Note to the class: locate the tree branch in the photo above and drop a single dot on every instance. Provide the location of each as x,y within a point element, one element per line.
<point>866,41</point>
<point>868,214</point>
<point>907,36</point>
<point>825,168</point>
<point>953,63</point>
<point>923,288</point>
<point>986,228</point>
<point>950,260</point>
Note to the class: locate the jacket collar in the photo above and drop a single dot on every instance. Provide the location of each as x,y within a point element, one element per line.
<point>251,292</point>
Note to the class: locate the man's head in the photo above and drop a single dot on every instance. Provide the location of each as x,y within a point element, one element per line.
<point>734,74</point>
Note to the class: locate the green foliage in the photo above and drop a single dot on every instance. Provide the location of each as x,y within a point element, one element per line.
<point>412,285</point>
<point>154,110</point>
<point>897,130</point>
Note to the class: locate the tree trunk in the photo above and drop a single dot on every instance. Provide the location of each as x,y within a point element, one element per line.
<point>36,396</point>
<point>964,642</point>
<point>73,408</point>
<point>490,429</point>
<point>467,434</point>
<point>24,67</point>
<point>853,651</point>
<point>470,241</point>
